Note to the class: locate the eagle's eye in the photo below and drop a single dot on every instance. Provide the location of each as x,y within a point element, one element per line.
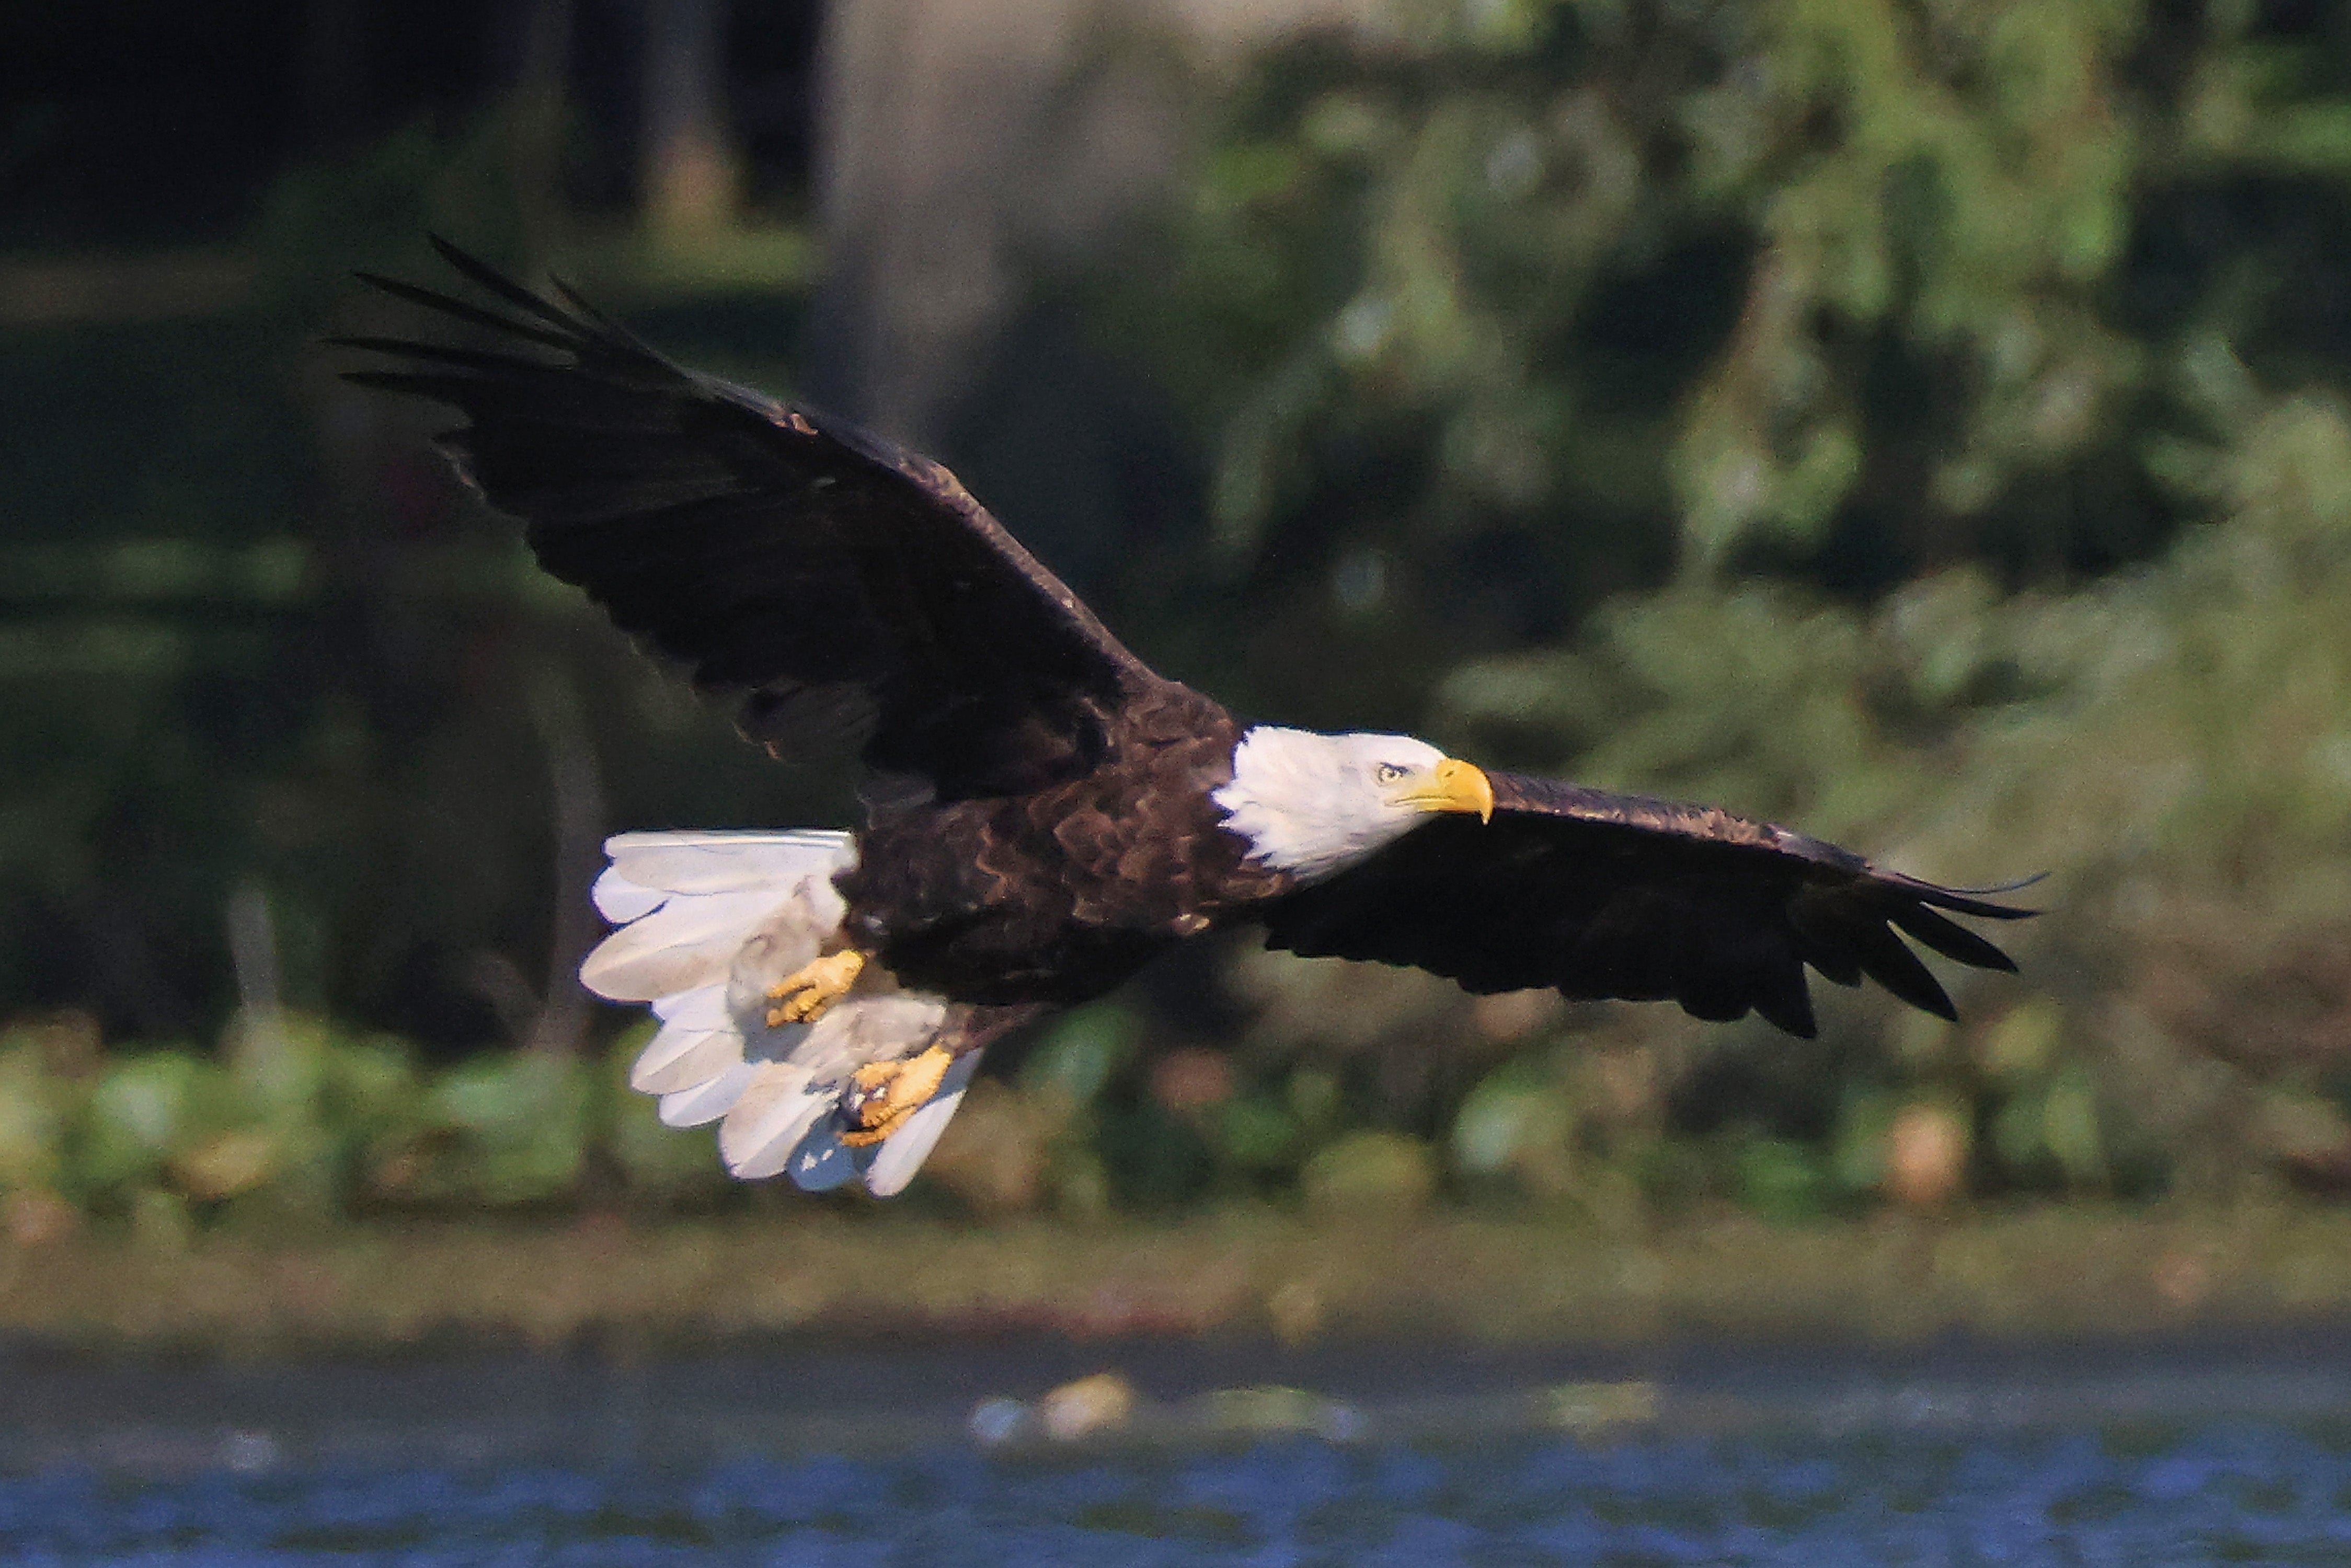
<point>1387,773</point>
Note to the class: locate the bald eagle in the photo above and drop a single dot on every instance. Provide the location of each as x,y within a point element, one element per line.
<point>1046,813</point>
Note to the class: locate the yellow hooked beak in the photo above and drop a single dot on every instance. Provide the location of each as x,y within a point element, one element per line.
<point>1457,786</point>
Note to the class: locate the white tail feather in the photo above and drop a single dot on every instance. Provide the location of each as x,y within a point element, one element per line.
<point>709,922</point>
<point>619,901</point>
<point>681,1058</point>
<point>701,1105</point>
<point>726,861</point>
<point>689,940</point>
<point>775,1112</point>
<point>702,1008</point>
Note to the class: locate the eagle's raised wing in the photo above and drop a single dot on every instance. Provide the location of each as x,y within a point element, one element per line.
<point>1603,895</point>
<point>786,556</point>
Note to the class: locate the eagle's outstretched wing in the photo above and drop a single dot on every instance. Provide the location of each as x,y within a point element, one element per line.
<point>1605,896</point>
<point>786,556</point>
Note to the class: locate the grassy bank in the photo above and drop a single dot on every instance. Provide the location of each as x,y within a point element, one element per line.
<point>2038,1273</point>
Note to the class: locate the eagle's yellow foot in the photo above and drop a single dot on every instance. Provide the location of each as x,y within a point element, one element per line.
<point>881,1095</point>
<point>803,996</point>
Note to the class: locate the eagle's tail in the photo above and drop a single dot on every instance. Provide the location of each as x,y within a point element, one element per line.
<point>709,923</point>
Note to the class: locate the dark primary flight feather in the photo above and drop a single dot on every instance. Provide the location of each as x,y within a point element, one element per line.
<point>1603,895</point>
<point>786,556</point>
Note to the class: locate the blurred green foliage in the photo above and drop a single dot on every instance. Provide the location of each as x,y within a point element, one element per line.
<point>302,1124</point>
<point>1503,309</point>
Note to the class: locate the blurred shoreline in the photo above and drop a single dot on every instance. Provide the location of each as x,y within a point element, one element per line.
<point>692,1286</point>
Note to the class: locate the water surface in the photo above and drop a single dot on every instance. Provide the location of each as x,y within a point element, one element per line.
<point>2234,1494</point>
<point>2221,1452</point>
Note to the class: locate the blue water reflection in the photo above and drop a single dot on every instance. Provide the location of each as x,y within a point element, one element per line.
<point>2237,1493</point>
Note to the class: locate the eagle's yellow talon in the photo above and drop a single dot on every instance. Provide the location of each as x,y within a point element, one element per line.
<point>881,1095</point>
<point>803,996</point>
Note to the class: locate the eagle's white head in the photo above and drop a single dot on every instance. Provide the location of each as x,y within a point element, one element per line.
<point>1312,805</point>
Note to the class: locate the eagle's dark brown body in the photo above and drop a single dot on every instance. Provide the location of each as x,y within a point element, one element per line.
<point>1060,895</point>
